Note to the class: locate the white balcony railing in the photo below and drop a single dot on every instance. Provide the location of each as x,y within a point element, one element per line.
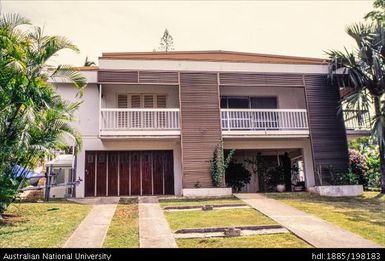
<point>139,119</point>
<point>357,120</point>
<point>264,119</point>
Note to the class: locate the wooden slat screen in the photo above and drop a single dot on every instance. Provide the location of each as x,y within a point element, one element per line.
<point>327,129</point>
<point>130,76</point>
<point>117,76</point>
<point>158,77</point>
<point>260,79</point>
<point>201,128</point>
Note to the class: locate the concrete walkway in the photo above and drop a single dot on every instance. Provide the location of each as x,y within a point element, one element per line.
<point>311,229</point>
<point>154,231</point>
<point>93,229</point>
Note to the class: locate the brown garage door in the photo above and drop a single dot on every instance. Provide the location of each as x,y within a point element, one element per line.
<point>129,173</point>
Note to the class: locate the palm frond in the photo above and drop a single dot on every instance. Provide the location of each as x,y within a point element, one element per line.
<point>72,74</point>
<point>11,21</point>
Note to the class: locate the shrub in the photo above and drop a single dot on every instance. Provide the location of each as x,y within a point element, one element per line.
<point>237,176</point>
<point>369,149</point>
<point>358,166</point>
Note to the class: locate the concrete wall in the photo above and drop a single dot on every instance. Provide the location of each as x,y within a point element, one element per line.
<point>288,98</point>
<point>278,143</point>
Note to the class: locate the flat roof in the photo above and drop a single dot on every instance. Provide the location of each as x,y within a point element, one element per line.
<point>214,56</point>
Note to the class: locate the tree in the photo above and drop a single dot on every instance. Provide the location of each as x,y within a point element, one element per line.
<point>33,118</point>
<point>378,14</point>
<point>362,71</point>
<point>166,42</point>
<point>237,176</point>
<point>88,63</point>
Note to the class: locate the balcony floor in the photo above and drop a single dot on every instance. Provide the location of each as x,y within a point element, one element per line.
<point>266,133</point>
<point>111,134</point>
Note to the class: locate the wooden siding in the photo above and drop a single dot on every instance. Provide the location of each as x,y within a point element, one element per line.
<point>201,129</point>
<point>141,77</point>
<point>117,76</point>
<point>260,79</point>
<point>158,77</point>
<point>327,129</point>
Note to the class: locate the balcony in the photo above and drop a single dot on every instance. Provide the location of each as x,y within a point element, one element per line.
<point>264,122</point>
<point>139,122</point>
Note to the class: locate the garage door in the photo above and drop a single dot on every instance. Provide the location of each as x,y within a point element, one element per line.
<point>129,173</point>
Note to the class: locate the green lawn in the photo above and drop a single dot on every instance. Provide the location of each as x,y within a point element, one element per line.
<point>216,218</point>
<point>124,228</point>
<point>364,215</point>
<point>224,218</point>
<point>198,202</point>
<point>38,225</point>
<point>256,241</point>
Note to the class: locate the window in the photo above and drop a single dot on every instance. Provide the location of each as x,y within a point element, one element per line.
<point>252,119</point>
<point>122,101</point>
<point>263,102</point>
<point>246,102</point>
<point>141,101</point>
<point>238,102</point>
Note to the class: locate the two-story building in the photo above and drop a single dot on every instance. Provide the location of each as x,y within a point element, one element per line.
<point>151,120</point>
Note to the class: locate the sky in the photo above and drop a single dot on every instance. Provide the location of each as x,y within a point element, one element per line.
<point>301,28</point>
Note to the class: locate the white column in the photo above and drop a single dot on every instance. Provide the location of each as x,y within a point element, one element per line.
<point>81,157</point>
<point>308,165</point>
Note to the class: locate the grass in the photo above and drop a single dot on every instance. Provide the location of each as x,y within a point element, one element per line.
<point>225,218</point>
<point>256,241</point>
<point>124,228</point>
<point>199,202</point>
<point>38,225</point>
<point>363,215</point>
<point>216,218</point>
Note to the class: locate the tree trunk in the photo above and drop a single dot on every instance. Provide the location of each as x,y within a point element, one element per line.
<point>377,108</point>
<point>382,164</point>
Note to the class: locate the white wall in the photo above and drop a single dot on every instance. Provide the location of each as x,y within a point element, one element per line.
<point>88,124</point>
<point>110,93</point>
<point>210,66</point>
<point>87,117</point>
<point>278,143</point>
<point>288,98</point>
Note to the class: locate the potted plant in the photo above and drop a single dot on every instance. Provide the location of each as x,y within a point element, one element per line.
<point>299,186</point>
<point>277,175</point>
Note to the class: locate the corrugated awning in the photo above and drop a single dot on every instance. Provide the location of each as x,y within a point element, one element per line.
<point>64,161</point>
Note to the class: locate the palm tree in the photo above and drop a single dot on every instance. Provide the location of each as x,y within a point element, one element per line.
<point>362,71</point>
<point>33,118</point>
<point>88,63</point>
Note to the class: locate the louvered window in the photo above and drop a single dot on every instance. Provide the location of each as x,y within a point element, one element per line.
<point>148,101</point>
<point>148,116</point>
<point>135,101</point>
<point>122,115</point>
<point>136,118</point>
<point>141,119</point>
<point>161,101</point>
